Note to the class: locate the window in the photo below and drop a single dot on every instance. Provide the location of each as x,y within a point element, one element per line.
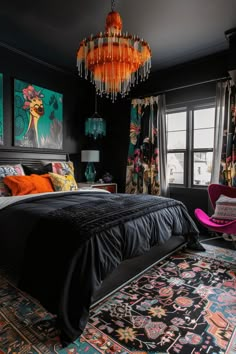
<point>190,138</point>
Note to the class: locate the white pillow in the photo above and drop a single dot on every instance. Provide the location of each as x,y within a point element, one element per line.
<point>225,208</point>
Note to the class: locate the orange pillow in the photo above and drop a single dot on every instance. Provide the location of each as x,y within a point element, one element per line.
<point>21,185</point>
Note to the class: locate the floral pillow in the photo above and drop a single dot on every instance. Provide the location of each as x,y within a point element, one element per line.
<point>63,183</point>
<point>9,170</point>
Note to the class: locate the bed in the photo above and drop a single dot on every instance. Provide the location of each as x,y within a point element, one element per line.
<point>61,247</point>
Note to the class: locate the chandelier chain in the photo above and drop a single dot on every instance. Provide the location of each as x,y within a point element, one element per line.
<point>96,102</point>
<point>112,5</point>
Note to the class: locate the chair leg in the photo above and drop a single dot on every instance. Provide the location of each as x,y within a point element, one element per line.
<point>231,238</point>
<point>214,234</point>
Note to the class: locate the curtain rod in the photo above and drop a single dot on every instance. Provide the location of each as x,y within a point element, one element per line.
<point>182,87</point>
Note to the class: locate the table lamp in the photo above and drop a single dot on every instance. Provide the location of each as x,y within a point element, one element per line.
<point>90,156</point>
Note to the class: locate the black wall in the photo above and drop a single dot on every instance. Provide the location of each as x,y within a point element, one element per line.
<point>205,69</point>
<point>76,97</point>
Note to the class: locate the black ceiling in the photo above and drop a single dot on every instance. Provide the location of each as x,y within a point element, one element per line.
<point>177,30</point>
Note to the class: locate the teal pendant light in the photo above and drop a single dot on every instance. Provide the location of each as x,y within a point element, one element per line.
<point>95,126</point>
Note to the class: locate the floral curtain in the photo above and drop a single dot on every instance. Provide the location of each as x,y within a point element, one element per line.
<point>228,155</point>
<point>143,173</point>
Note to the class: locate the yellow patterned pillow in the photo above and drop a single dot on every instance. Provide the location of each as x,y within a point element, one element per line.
<point>63,183</point>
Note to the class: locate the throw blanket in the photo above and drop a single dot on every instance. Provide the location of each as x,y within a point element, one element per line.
<point>100,214</point>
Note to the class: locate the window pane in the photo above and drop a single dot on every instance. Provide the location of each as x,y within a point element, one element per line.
<point>204,118</point>
<point>175,168</point>
<point>176,140</point>
<point>202,166</point>
<point>204,138</point>
<point>176,121</point>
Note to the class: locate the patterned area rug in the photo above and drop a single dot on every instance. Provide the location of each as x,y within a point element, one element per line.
<point>184,304</point>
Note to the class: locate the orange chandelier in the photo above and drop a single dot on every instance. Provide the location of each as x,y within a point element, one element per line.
<point>114,61</point>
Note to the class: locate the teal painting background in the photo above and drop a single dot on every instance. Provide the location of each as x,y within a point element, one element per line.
<point>1,109</point>
<point>50,124</point>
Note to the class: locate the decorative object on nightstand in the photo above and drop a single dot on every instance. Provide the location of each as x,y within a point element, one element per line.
<point>90,156</point>
<point>95,126</point>
<point>107,177</point>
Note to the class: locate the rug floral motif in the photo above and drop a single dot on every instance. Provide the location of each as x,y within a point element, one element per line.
<point>184,304</point>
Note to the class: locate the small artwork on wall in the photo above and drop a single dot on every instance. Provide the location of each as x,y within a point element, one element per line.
<point>38,116</point>
<point>1,109</point>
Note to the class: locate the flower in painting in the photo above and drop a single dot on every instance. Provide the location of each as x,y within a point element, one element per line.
<point>126,334</point>
<point>157,311</point>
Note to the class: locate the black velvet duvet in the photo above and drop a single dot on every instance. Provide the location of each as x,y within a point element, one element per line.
<point>65,244</point>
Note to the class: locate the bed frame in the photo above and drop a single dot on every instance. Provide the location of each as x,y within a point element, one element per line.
<point>131,268</point>
<point>29,158</point>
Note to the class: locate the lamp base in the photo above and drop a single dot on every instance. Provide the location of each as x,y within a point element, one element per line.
<point>90,172</point>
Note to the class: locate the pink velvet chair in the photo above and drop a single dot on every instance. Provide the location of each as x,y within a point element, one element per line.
<point>214,192</point>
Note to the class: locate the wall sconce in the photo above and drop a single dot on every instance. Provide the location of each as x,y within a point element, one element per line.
<point>90,156</point>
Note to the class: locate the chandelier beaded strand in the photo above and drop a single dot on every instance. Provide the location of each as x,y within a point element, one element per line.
<point>114,61</point>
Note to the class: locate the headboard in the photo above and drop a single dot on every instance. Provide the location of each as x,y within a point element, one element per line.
<point>29,158</point>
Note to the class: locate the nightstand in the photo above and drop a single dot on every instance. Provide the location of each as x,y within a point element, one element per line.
<point>111,187</point>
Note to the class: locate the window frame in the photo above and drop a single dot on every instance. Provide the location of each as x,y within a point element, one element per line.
<point>189,108</point>
<point>184,151</point>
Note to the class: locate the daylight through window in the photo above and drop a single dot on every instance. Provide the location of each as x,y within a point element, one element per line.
<point>190,139</point>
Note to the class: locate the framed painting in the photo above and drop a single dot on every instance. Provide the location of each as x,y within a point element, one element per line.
<point>38,116</point>
<point>1,109</point>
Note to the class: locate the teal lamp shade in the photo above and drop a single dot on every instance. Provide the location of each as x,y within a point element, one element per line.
<point>90,156</point>
<point>95,127</point>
